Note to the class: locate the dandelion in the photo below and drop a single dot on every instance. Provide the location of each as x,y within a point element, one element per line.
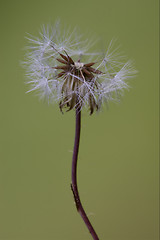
<point>61,68</point>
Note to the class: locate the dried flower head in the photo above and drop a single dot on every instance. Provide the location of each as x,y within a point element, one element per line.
<point>60,67</point>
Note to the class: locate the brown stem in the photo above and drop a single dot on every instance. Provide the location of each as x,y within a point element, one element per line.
<point>74,186</point>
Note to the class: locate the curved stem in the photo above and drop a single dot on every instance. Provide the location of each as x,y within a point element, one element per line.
<point>74,186</point>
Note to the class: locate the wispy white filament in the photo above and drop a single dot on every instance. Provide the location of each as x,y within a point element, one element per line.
<point>41,60</point>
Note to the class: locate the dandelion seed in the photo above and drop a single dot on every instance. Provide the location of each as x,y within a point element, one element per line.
<point>62,68</point>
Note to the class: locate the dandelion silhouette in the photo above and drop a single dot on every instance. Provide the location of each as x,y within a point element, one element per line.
<point>61,68</point>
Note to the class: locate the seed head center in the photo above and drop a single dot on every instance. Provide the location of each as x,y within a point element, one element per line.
<point>79,65</point>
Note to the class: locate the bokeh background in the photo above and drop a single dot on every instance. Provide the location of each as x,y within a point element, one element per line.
<point>118,161</point>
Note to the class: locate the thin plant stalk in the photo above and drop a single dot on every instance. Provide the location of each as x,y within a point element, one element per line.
<point>74,186</point>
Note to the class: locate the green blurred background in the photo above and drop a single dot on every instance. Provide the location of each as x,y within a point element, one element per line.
<point>118,161</point>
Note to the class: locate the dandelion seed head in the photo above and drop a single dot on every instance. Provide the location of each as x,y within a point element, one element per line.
<point>60,67</point>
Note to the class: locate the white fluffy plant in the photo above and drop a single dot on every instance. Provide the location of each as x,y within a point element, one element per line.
<point>61,67</point>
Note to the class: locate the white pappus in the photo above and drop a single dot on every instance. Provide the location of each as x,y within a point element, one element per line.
<point>61,68</point>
